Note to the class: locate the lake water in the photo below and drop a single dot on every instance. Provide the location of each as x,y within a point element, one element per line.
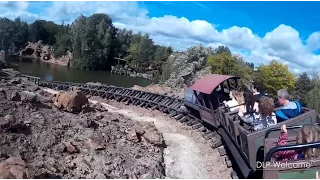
<point>53,72</point>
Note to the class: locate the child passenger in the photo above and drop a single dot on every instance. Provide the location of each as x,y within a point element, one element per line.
<point>307,134</point>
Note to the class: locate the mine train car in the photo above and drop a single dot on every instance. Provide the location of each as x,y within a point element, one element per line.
<point>252,151</point>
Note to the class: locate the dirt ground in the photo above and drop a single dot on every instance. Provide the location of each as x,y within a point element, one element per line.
<point>116,141</point>
<point>187,154</point>
<point>41,141</point>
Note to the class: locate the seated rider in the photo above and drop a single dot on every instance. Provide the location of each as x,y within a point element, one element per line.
<point>249,106</point>
<point>290,109</point>
<point>256,90</point>
<point>233,102</point>
<point>264,117</point>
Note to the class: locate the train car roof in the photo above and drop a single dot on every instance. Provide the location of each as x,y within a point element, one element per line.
<point>209,82</point>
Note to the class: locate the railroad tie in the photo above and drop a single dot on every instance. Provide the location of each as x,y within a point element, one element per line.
<point>142,104</point>
<point>118,97</point>
<point>204,133</point>
<point>161,108</point>
<point>166,100</point>
<point>153,97</point>
<point>157,99</point>
<point>191,122</point>
<point>154,107</point>
<point>150,99</point>
<point>197,126</point>
<point>222,151</point>
<point>123,99</point>
<point>179,116</point>
<point>173,105</point>
<point>228,162</point>
<point>177,105</point>
<point>184,119</point>
<point>108,96</point>
<point>216,142</point>
<point>202,129</point>
<point>137,102</point>
<point>234,175</point>
<point>148,96</point>
<point>209,136</point>
<point>138,94</point>
<point>173,113</point>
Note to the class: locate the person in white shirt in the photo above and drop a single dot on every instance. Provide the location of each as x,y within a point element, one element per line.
<point>233,102</point>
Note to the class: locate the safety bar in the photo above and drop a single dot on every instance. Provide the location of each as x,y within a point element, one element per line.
<point>277,129</point>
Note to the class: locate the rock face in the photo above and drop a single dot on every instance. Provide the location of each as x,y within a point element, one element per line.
<point>71,101</point>
<point>44,53</point>
<point>192,62</point>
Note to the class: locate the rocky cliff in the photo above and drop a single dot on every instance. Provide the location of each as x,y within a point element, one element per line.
<point>45,53</point>
<point>192,63</point>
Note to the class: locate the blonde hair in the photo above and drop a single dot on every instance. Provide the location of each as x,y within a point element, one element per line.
<point>308,134</point>
<point>238,95</point>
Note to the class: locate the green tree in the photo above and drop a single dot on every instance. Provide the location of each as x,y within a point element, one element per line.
<point>92,39</point>
<point>63,42</point>
<point>227,64</point>
<point>222,49</point>
<point>313,98</point>
<point>20,36</point>
<point>7,32</point>
<point>141,51</point>
<point>303,86</point>
<point>275,76</point>
<point>122,42</point>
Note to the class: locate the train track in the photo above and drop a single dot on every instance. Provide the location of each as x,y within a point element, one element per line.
<point>170,105</point>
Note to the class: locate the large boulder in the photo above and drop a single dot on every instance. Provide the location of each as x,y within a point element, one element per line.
<point>13,168</point>
<point>71,101</point>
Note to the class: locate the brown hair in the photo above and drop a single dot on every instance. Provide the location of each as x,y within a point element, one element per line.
<point>238,95</point>
<point>266,106</point>
<point>308,134</point>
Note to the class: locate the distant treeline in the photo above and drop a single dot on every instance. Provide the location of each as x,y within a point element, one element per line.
<point>94,42</point>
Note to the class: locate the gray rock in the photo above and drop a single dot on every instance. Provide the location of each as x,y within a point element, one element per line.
<point>15,96</point>
<point>193,62</point>
<point>29,96</point>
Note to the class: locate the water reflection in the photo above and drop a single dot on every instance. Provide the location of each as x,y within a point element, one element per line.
<point>60,73</point>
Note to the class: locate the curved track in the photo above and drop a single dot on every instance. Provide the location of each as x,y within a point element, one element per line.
<point>167,104</point>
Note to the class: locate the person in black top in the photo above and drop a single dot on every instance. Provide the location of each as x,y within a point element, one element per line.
<point>256,88</point>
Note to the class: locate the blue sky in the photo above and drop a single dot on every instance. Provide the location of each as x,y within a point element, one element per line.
<point>261,17</point>
<point>258,31</point>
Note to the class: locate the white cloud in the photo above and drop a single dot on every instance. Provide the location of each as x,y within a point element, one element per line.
<point>14,9</point>
<point>282,43</point>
